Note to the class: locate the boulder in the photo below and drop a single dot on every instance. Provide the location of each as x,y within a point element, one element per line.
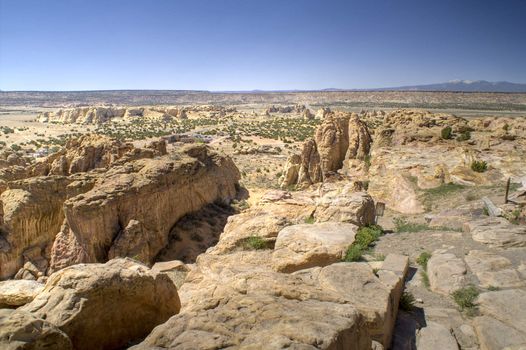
<point>106,305</point>
<point>18,292</point>
<point>307,245</point>
<point>20,330</point>
<point>346,205</point>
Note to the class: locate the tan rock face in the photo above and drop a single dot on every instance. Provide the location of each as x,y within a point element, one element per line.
<point>22,330</point>
<point>446,272</point>
<point>308,245</point>
<point>101,114</point>
<point>104,306</point>
<point>340,138</point>
<point>102,205</point>
<point>344,204</point>
<point>237,300</point>
<point>99,220</point>
<point>18,292</point>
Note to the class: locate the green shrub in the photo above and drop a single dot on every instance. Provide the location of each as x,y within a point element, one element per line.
<point>479,166</point>
<point>255,243</point>
<point>367,235</point>
<point>465,297</point>
<point>446,133</point>
<point>423,259</point>
<point>407,301</point>
<point>354,253</point>
<point>15,147</point>
<point>466,135</point>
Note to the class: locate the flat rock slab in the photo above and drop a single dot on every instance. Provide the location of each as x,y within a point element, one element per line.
<point>496,232</point>
<point>493,334</point>
<point>446,272</point>
<point>19,292</point>
<point>435,336</point>
<point>507,306</point>
<point>307,245</point>
<point>493,270</point>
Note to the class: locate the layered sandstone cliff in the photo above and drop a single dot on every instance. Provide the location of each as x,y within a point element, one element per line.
<point>100,198</point>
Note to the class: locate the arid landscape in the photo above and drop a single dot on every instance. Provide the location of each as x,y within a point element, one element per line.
<point>262,175</point>
<point>232,224</point>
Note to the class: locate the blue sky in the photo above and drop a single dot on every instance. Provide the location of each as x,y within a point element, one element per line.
<point>265,44</point>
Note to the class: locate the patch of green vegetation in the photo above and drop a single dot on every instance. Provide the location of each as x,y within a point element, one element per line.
<point>354,253</point>
<point>465,298</point>
<point>466,135</point>
<point>493,288</point>
<point>407,302</point>
<point>446,133</point>
<point>367,161</point>
<point>15,147</point>
<point>402,225</point>
<point>425,278</point>
<point>309,220</point>
<point>422,259</point>
<point>479,166</point>
<point>443,190</point>
<point>255,243</point>
<point>365,237</point>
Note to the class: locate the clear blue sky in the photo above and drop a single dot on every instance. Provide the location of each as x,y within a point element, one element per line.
<point>265,44</point>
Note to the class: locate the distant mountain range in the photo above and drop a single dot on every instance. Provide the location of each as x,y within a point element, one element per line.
<point>451,86</point>
<point>463,86</point>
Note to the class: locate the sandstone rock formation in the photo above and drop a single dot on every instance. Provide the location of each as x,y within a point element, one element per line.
<point>103,114</point>
<point>100,203</point>
<point>334,306</point>
<point>22,330</point>
<point>105,306</point>
<point>308,245</point>
<point>339,141</point>
<point>446,272</point>
<point>18,292</point>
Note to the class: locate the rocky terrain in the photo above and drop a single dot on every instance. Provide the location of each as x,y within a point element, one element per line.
<point>108,243</point>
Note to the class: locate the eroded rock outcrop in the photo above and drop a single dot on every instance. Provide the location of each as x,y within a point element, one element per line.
<point>236,300</point>
<point>92,306</point>
<point>101,204</point>
<point>341,141</point>
<point>104,114</point>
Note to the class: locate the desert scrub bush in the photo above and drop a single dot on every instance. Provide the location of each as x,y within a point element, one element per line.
<point>465,298</point>
<point>402,225</point>
<point>364,238</point>
<point>407,302</point>
<point>367,235</point>
<point>466,135</point>
<point>479,166</point>
<point>255,243</point>
<point>422,259</point>
<point>353,253</point>
<point>446,133</point>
